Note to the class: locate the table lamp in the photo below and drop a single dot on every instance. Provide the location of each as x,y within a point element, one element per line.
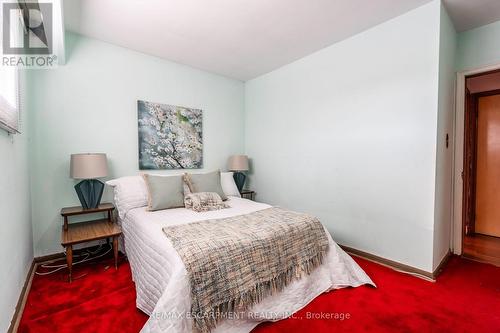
<point>89,167</point>
<point>238,163</point>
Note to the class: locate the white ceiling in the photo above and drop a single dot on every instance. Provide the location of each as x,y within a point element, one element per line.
<point>243,39</point>
<point>469,14</point>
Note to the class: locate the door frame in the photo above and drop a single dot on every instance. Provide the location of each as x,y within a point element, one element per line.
<point>458,155</point>
<point>470,163</point>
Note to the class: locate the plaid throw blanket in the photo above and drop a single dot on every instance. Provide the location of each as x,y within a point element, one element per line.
<point>235,262</point>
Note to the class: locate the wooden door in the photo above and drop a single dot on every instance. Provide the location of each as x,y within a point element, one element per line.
<point>487,208</point>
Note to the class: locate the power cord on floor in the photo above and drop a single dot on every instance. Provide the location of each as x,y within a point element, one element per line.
<point>88,256</point>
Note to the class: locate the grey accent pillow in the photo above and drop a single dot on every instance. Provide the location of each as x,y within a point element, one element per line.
<point>164,192</point>
<point>205,182</point>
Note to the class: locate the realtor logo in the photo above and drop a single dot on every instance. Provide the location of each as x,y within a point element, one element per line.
<point>27,35</point>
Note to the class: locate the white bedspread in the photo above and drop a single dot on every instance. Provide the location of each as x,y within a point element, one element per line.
<point>163,287</point>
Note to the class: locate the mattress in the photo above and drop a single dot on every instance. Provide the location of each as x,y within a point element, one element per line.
<point>162,284</point>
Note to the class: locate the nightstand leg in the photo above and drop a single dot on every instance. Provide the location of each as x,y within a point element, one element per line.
<point>115,250</point>
<point>69,261</point>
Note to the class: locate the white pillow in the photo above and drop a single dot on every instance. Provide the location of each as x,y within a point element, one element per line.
<point>129,193</point>
<point>228,184</point>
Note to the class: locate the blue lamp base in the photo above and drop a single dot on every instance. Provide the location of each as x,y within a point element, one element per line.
<point>239,179</point>
<point>89,192</point>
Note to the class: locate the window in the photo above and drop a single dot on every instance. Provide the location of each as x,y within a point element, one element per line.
<point>9,106</point>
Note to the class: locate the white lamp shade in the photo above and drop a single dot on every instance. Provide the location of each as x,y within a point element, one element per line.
<point>238,163</point>
<point>88,166</point>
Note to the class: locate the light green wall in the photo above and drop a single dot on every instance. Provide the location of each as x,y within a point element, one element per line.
<point>16,246</point>
<point>479,47</point>
<point>89,105</point>
<point>349,134</point>
<point>444,157</point>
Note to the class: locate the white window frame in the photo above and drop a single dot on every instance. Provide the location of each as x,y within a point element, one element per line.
<point>15,31</point>
<point>3,124</point>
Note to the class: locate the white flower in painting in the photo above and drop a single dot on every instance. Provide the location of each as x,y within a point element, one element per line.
<point>151,140</point>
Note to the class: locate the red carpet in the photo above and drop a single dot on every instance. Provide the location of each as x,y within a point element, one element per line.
<point>466,298</point>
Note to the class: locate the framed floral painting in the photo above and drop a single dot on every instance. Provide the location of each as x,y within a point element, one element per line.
<point>170,137</point>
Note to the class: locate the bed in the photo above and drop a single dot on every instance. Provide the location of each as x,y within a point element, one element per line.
<point>161,279</point>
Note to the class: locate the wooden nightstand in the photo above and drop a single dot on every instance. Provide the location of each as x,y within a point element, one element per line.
<point>248,194</point>
<point>81,232</point>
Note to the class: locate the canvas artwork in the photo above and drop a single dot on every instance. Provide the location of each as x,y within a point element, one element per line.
<point>170,137</point>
